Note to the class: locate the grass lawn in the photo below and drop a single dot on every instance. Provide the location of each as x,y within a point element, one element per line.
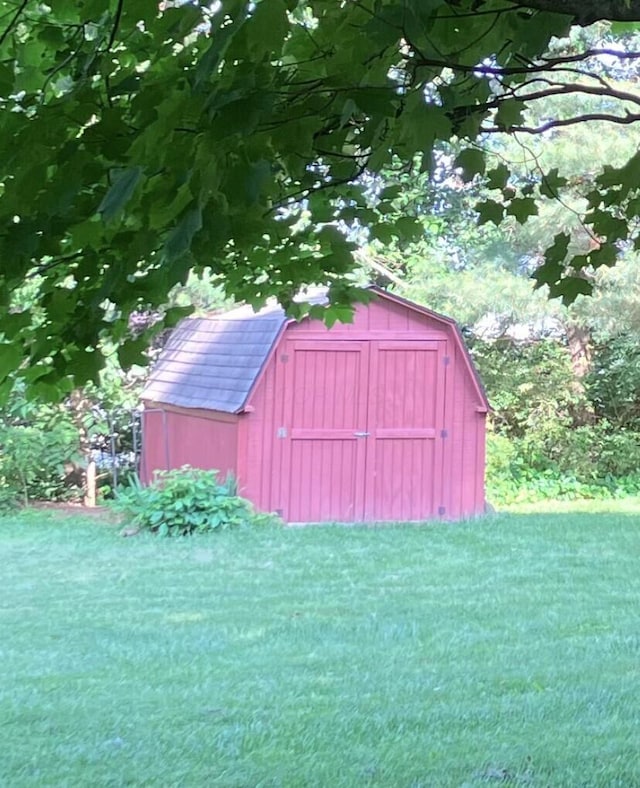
<point>504,651</point>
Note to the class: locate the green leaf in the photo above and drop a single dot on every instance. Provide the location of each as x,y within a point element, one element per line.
<point>570,287</point>
<point>472,162</point>
<point>510,113</point>
<point>10,358</point>
<point>335,313</point>
<point>552,183</point>
<point>626,177</point>
<point>409,229</point>
<point>123,185</point>
<point>606,254</point>
<point>269,25</point>
<point>179,240</point>
<point>607,226</point>
<point>557,252</point>
<point>259,174</point>
<point>490,211</point>
<point>220,42</point>
<point>133,351</point>
<point>497,177</point>
<point>522,208</point>
<point>6,79</point>
<point>549,273</point>
<point>84,364</point>
<point>624,28</point>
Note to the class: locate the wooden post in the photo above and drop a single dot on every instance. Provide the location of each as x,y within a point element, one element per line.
<point>90,495</point>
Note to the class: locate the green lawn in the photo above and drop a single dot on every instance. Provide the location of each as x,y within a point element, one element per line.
<point>503,651</point>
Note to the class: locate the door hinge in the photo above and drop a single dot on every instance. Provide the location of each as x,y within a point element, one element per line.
<point>446,360</point>
<point>281,432</point>
<point>444,434</point>
<point>441,511</point>
<point>284,357</point>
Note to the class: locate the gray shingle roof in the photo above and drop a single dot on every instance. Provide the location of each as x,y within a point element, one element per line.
<point>213,362</point>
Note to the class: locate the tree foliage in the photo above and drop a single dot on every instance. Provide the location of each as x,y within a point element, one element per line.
<point>140,141</point>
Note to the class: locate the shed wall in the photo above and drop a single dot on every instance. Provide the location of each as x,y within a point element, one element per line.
<point>380,315</point>
<point>453,465</point>
<point>260,473</point>
<point>174,437</point>
<point>464,458</point>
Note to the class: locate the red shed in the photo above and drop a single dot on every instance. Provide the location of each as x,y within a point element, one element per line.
<point>381,419</point>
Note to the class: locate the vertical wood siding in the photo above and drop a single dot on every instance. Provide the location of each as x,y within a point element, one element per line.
<point>260,471</point>
<point>406,418</point>
<point>154,455</point>
<point>464,466</point>
<point>325,410</point>
<point>176,437</point>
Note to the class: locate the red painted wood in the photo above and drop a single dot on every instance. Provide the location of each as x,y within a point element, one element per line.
<point>176,437</point>
<point>153,454</point>
<point>479,502</point>
<point>406,417</point>
<point>326,406</point>
<point>297,451</point>
<point>314,330</point>
<point>446,467</point>
<point>264,473</point>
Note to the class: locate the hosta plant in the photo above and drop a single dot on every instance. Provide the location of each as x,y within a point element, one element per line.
<point>186,501</point>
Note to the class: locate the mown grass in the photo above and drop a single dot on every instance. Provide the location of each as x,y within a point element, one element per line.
<point>503,651</point>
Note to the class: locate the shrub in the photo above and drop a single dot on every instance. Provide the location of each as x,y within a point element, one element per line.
<point>187,501</point>
<point>550,435</point>
<point>613,385</point>
<point>35,461</point>
<point>531,387</point>
<point>591,463</point>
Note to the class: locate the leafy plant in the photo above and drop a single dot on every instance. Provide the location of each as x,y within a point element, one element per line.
<point>549,437</point>
<point>186,501</point>
<point>591,463</point>
<point>39,452</point>
<point>614,382</point>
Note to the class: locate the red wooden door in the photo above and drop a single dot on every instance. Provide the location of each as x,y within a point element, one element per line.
<point>363,430</point>
<point>406,419</point>
<point>325,425</point>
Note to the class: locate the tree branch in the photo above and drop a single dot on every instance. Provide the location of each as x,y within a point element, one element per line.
<point>116,24</point>
<point>586,12</point>
<point>623,120</point>
<point>11,24</point>
<point>544,64</point>
<point>54,263</point>
<point>569,89</point>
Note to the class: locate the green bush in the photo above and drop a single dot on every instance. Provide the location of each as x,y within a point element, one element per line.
<point>531,387</point>
<point>552,435</point>
<point>613,384</point>
<point>187,501</point>
<point>591,464</point>
<point>37,459</point>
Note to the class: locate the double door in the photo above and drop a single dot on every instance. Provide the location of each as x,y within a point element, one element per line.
<point>364,431</point>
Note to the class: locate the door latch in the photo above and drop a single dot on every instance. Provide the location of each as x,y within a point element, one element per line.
<point>361,434</point>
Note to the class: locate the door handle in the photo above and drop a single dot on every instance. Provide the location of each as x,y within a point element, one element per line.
<point>361,434</point>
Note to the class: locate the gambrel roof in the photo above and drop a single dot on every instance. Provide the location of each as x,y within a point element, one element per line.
<point>214,362</point>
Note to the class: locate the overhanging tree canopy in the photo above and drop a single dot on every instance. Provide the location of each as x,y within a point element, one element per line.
<point>140,141</point>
